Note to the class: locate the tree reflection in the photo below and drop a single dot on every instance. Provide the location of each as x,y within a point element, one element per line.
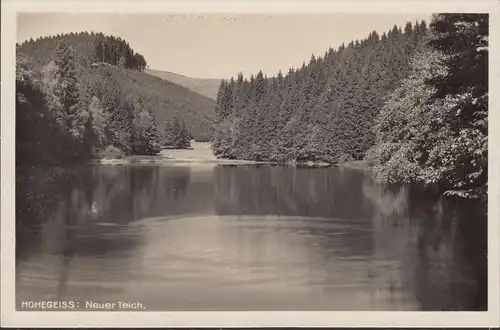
<point>440,242</point>
<point>70,209</point>
<point>397,241</point>
<point>327,204</point>
<point>288,191</point>
<point>80,212</point>
<point>175,182</point>
<point>68,251</point>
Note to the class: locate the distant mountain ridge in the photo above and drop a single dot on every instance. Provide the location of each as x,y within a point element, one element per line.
<point>205,86</point>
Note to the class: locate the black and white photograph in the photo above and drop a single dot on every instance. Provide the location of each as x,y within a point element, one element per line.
<point>183,161</point>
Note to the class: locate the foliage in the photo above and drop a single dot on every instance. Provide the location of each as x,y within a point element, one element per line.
<point>433,129</point>
<point>38,137</point>
<point>99,120</point>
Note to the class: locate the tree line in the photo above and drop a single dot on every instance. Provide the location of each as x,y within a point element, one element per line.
<point>412,102</point>
<point>87,48</point>
<point>116,51</point>
<point>322,111</point>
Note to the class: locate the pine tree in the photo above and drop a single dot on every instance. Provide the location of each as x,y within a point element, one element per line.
<point>146,137</point>
<point>122,62</point>
<point>220,134</point>
<point>168,134</point>
<point>176,132</point>
<point>183,139</point>
<point>67,90</point>
<point>99,49</point>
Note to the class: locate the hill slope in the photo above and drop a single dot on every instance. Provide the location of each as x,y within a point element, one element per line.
<point>164,99</point>
<point>118,78</point>
<point>205,87</point>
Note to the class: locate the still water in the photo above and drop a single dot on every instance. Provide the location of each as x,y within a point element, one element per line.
<point>210,237</point>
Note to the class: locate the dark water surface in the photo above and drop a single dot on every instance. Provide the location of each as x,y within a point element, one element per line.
<point>244,238</point>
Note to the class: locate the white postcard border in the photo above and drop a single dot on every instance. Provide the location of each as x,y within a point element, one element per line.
<point>12,318</point>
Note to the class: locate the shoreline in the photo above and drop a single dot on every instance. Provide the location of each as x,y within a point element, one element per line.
<point>158,160</point>
<point>201,153</point>
<point>137,160</point>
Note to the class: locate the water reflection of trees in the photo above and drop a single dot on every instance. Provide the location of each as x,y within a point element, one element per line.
<point>328,201</point>
<point>289,191</point>
<point>421,247</point>
<point>63,205</point>
<point>176,181</point>
<point>439,242</point>
<point>439,245</point>
<point>79,198</point>
<point>70,204</point>
<point>183,191</point>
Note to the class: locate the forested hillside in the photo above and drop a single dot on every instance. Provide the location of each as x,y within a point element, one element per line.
<point>87,49</point>
<point>323,111</point>
<point>205,87</point>
<point>413,102</point>
<point>165,100</point>
<point>70,108</point>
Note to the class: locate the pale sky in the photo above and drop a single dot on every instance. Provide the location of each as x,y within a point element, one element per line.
<point>220,45</point>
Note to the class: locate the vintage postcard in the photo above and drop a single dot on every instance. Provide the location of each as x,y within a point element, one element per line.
<point>241,163</point>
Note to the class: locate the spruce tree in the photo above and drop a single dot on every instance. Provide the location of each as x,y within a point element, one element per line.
<point>184,137</point>
<point>146,137</point>
<point>68,85</point>
<point>168,134</point>
<point>67,93</point>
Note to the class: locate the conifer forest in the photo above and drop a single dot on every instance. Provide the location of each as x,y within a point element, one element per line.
<point>413,102</point>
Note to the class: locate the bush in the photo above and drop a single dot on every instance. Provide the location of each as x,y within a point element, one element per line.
<point>112,152</point>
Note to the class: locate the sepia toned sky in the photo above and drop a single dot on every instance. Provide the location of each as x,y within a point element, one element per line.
<point>220,45</point>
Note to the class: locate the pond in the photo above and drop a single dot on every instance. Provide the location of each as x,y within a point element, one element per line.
<point>209,237</point>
